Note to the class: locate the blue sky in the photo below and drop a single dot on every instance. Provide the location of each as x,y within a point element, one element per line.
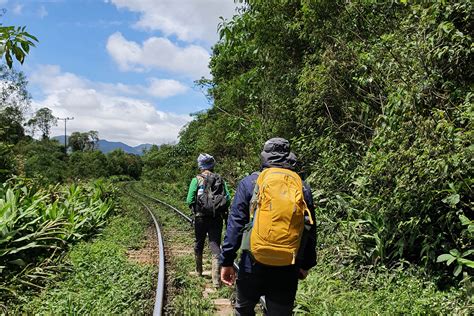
<point>125,68</point>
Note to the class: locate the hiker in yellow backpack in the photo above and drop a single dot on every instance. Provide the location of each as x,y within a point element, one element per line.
<point>272,219</point>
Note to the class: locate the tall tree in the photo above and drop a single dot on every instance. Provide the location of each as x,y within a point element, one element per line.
<point>14,102</point>
<point>86,141</point>
<point>43,120</point>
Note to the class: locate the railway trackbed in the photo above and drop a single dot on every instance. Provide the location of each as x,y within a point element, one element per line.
<point>179,291</point>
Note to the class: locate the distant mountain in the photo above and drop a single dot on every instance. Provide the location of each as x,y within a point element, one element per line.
<point>106,146</point>
<point>142,147</point>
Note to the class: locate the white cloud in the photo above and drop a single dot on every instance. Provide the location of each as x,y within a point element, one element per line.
<point>165,88</point>
<point>18,9</point>
<point>42,12</point>
<point>100,106</point>
<point>160,53</point>
<point>187,19</point>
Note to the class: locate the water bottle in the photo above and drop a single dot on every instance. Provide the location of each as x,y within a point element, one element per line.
<point>200,190</point>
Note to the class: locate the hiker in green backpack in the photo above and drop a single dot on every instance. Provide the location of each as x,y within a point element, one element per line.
<point>209,199</point>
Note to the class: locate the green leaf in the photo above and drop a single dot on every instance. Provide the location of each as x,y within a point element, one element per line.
<point>31,36</point>
<point>18,54</point>
<point>9,59</point>
<point>464,220</point>
<point>444,257</point>
<point>452,200</point>
<point>467,253</point>
<point>18,262</point>
<point>457,270</point>
<point>455,252</point>
<point>466,262</point>
<point>448,263</point>
<point>25,47</point>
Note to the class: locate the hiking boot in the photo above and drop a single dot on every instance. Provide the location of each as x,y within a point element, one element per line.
<point>198,258</point>
<point>216,273</point>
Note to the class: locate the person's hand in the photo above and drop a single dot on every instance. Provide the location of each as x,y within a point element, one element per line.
<point>302,274</point>
<point>228,275</point>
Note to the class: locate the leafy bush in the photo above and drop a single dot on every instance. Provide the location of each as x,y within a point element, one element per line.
<point>101,278</point>
<point>36,222</point>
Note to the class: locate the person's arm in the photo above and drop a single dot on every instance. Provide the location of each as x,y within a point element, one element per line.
<point>238,218</point>
<point>309,253</point>
<point>227,195</point>
<point>193,187</point>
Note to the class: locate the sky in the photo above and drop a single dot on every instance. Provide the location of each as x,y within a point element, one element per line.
<point>125,68</point>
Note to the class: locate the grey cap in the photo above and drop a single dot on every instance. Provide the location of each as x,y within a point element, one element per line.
<point>206,162</point>
<point>275,153</point>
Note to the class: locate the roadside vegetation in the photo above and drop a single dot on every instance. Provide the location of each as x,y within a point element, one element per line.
<point>38,224</point>
<point>101,277</point>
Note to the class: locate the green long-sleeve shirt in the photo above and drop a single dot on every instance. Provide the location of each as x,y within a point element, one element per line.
<point>193,187</point>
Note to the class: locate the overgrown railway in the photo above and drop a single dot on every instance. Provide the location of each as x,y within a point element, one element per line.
<point>160,286</point>
<point>166,282</point>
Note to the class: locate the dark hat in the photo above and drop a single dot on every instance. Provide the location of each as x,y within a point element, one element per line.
<point>275,153</point>
<point>292,160</point>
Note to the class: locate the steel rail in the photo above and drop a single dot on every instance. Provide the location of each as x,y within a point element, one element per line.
<point>189,219</point>
<point>160,287</point>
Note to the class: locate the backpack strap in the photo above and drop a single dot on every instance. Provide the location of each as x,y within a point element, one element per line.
<point>254,199</point>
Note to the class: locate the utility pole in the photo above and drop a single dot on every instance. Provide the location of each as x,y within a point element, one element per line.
<point>65,135</point>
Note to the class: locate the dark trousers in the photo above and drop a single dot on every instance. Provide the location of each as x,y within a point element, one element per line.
<point>208,226</point>
<point>277,284</point>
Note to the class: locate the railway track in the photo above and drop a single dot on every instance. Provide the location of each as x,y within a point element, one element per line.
<point>161,287</point>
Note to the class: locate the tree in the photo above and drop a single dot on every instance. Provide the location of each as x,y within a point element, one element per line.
<point>11,127</point>
<point>122,163</point>
<point>43,120</point>
<point>43,160</point>
<point>14,102</point>
<point>87,164</point>
<point>13,89</point>
<point>86,141</point>
<point>14,98</point>
<point>6,162</point>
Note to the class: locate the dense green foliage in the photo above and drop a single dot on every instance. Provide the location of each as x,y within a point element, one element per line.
<point>330,290</point>
<point>377,102</point>
<point>102,280</point>
<point>37,223</point>
<point>46,162</point>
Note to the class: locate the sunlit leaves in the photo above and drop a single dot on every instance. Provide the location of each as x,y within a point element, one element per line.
<point>15,42</point>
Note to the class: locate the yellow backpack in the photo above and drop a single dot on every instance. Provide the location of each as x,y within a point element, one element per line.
<point>277,218</point>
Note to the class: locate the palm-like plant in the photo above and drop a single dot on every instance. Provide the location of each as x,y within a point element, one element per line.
<point>36,224</point>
